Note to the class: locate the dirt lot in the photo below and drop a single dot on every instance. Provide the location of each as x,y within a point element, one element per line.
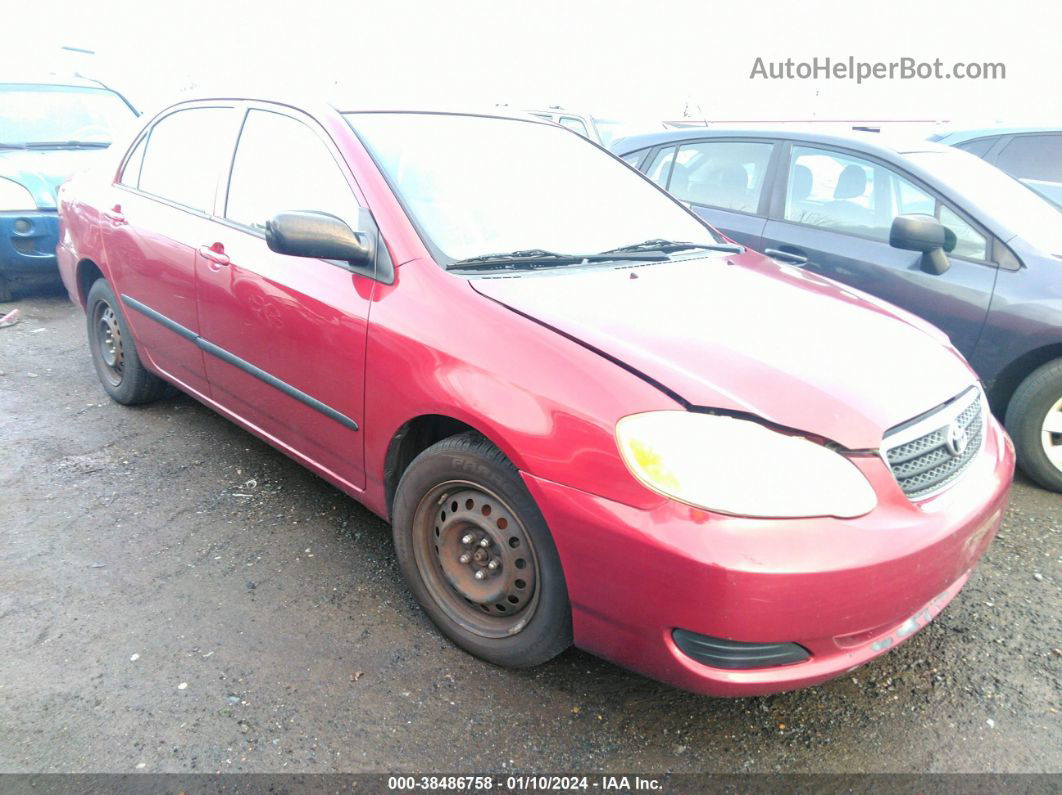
<point>177,596</point>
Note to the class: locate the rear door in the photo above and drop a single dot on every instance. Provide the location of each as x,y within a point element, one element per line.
<point>286,335</point>
<point>724,181</point>
<point>836,207</point>
<point>160,207</point>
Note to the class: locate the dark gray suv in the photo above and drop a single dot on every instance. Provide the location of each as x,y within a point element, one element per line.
<point>926,227</point>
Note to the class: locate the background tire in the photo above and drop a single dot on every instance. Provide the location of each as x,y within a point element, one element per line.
<point>1034,400</point>
<point>517,613</point>
<point>114,353</point>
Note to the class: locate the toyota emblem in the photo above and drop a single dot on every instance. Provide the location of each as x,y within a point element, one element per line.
<point>956,439</point>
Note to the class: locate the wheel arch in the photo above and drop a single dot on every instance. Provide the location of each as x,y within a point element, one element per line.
<point>415,436</point>
<point>1010,378</point>
<point>86,273</point>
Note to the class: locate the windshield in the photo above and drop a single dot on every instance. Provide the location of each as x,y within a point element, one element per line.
<point>1037,221</point>
<point>32,114</point>
<point>478,185</point>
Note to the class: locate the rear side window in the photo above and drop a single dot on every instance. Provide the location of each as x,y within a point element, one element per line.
<point>1033,157</point>
<point>979,147</point>
<point>634,158</point>
<point>281,165</point>
<point>725,174</point>
<point>184,156</point>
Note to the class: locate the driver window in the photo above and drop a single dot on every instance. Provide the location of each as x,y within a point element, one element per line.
<point>282,165</point>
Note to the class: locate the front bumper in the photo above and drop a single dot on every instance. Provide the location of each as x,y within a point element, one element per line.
<point>27,243</point>
<point>845,590</point>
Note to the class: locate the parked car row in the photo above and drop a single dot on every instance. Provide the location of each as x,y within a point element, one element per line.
<point>926,227</point>
<point>589,417</point>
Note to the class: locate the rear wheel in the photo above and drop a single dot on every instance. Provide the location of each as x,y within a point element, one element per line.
<point>478,556</point>
<point>6,293</point>
<point>1034,420</point>
<point>114,353</point>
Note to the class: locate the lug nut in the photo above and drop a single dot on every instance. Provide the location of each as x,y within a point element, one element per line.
<point>492,565</point>
<point>484,542</point>
<point>465,558</point>
<point>480,574</point>
<point>468,539</point>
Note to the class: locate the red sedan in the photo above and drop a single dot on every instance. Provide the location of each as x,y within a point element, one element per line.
<point>589,417</point>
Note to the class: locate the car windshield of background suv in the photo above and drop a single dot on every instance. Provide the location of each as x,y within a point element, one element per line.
<point>479,185</point>
<point>40,114</point>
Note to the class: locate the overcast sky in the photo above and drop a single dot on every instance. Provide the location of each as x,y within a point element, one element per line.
<point>638,60</point>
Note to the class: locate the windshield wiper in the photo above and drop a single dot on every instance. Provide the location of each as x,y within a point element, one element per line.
<point>66,144</point>
<point>529,259</point>
<point>658,244</point>
<point>12,146</point>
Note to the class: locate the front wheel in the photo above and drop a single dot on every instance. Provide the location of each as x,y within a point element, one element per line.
<point>1034,420</point>
<point>478,556</point>
<point>114,353</point>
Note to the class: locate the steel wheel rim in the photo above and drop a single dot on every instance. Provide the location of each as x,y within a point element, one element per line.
<point>1051,434</point>
<point>107,338</point>
<point>450,525</point>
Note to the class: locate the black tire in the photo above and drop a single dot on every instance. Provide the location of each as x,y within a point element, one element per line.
<point>6,291</point>
<point>1026,413</point>
<point>469,468</point>
<point>115,357</point>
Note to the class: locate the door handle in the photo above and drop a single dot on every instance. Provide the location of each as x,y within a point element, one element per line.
<point>791,257</point>
<point>215,253</point>
<point>115,215</point>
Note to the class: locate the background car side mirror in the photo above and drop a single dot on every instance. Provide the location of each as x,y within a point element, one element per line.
<point>310,234</point>
<point>923,233</point>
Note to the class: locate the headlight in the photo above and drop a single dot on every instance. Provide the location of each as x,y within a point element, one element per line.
<point>739,467</point>
<point>15,197</point>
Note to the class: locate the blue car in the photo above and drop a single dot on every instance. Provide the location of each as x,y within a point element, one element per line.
<point>926,227</point>
<point>1032,155</point>
<point>48,130</point>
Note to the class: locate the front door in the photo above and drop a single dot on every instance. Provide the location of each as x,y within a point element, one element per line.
<point>285,336</point>
<point>838,212</point>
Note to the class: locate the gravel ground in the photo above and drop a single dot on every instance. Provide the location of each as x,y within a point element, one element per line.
<point>177,596</point>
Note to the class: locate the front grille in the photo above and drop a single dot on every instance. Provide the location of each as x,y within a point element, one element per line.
<point>929,452</point>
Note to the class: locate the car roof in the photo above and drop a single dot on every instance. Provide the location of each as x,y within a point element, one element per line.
<point>884,145</point>
<point>953,137</point>
<point>342,102</point>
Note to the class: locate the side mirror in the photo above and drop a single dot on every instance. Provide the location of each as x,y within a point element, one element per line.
<point>926,234</point>
<point>309,234</point>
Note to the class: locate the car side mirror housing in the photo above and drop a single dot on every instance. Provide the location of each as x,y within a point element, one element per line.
<point>916,232</point>
<point>319,235</point>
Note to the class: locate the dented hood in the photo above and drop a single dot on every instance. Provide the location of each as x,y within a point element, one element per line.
<point>749,335</point>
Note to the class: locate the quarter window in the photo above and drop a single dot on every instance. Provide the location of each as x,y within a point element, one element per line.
<point>725,174</point>
<point>660,169</point>
<point>977,147</point>
<point>282,165</point>
<point>184,156</point>
<point>634,158</point>
<point>573,123</point>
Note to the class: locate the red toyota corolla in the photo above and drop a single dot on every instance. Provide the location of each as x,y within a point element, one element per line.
<point>589,418</point>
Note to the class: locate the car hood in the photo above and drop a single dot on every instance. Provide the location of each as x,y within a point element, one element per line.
<point>750,335</point>
<point>42,171</point>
